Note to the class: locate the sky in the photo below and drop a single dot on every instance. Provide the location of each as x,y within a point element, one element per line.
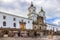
<point>20,8</point>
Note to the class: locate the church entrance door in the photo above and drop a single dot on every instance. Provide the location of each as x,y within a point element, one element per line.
<point>22,26</point>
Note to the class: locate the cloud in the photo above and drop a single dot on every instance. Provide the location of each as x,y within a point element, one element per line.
<point>16,7</point>
<point>7,1</point>
<point>20,7</point>
<point>57,22</point>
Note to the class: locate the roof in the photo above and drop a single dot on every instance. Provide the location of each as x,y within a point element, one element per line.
<point>14,15</point>
<point>31,5</point>
<point>42,10</point>
<point>32,13</point>
<point>52,24</point>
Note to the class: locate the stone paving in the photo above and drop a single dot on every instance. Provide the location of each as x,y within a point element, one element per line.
<point>30,38</point>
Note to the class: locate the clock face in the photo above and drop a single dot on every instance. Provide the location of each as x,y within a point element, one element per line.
<point>41,14</point>
<point>32,9</point>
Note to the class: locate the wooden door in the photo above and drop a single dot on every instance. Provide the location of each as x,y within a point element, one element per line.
<point>22,26</point>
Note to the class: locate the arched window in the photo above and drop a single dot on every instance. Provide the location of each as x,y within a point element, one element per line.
<point>14,24</point>
<point>4,23</point>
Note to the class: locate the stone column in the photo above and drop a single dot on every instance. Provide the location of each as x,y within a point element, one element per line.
<point>24,33</point>
<point>18,34</point>
<point>15,33</point>
<point>41,34</point>
<point>1,34</point>
<point>50,34</point>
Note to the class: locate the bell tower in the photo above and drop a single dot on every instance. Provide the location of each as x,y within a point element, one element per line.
<point>42,14</point>
<point>32,8</point>
<point>41,19</point>
<point>32,12</point>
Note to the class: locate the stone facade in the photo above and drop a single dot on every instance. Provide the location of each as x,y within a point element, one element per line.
<point>38,19</point>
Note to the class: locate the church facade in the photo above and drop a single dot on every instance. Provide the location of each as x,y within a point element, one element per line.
<point>38,19</point>
<point>35,21</point>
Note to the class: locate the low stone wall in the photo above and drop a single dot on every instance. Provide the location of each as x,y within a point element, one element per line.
<point>30,33</point>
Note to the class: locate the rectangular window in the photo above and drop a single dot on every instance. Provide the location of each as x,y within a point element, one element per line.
<point>4,17</point>
<point>22,20</point>
<point>14,19</point>
<point>28,21</point>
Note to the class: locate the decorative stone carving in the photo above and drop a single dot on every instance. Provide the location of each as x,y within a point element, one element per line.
<point>10,34</point>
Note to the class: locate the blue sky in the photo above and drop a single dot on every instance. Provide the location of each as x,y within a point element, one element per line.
<point>20,8</point>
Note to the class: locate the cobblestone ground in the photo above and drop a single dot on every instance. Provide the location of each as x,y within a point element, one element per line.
<point>29,38</point>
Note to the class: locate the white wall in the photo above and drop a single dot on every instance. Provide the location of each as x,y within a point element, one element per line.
<point>29,25</point>
<point>51,26</point>
<point>33,17</point>
<point>9,21</point>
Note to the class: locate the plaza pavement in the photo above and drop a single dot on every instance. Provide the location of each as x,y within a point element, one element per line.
<point>30,38</point>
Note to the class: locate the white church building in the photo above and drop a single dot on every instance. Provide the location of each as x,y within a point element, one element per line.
<point>35,21</point>
<point>13,21</point>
